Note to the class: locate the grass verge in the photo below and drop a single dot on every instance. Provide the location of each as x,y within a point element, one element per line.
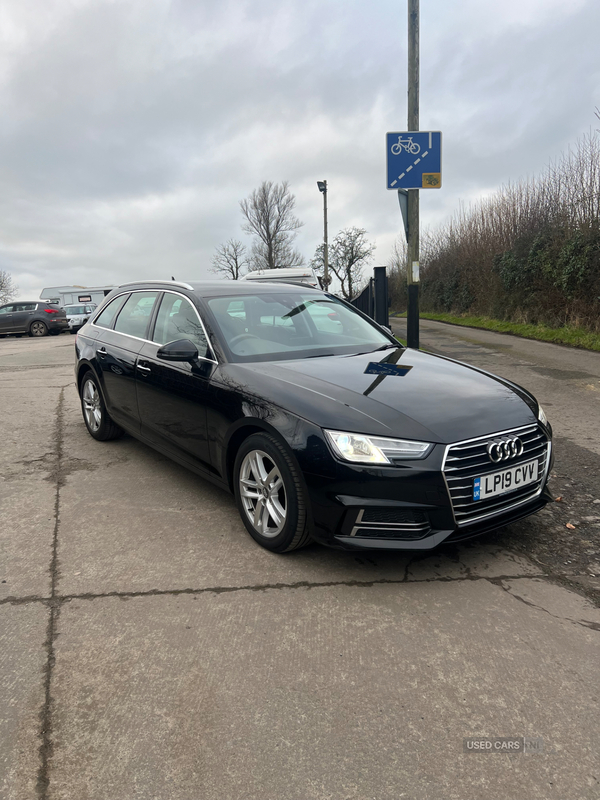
<point>575,337</point>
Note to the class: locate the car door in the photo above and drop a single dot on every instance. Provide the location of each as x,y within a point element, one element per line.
<point>6,317</point>
<point>116,355</point>
<point>172,395</point>
<point>22,316</point>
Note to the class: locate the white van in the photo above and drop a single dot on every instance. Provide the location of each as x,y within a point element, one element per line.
<point>285,275</point>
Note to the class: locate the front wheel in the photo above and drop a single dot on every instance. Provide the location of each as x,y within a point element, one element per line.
<point>269,494</point>
<point>95,415</point>
<point>38,328</point>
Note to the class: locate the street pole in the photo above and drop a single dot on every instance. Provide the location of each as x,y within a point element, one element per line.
<point>323,188</point>
<point>412,272</point>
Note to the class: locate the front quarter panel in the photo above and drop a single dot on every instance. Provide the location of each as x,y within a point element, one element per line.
<point>233,412</point>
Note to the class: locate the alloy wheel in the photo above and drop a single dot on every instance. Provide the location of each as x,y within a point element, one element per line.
<point>91,406</point>
<point>38,329</point>
<point>263,493</point>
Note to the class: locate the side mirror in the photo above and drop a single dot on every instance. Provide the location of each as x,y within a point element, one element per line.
<point>180,350</point>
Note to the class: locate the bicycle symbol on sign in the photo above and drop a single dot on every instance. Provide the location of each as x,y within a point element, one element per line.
<point>405,144</point>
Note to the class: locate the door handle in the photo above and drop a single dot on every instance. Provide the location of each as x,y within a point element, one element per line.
<point>102,352</point>
<point>144,369</point>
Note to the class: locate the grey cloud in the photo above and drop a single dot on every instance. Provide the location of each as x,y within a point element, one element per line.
<point>134,129</point>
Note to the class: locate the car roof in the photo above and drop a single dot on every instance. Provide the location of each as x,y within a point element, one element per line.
<point>224,287</point>
<point>23,302</point>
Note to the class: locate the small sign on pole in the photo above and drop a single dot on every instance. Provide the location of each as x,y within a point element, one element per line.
<point>414,160</point>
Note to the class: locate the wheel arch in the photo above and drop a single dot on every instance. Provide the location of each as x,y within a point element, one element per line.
<point>82,371</point>
<point>247,427</point>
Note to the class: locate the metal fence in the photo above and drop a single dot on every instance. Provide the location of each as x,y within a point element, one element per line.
<point>373,300</point>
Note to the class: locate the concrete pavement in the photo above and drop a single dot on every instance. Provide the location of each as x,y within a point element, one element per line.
<point>150,649</point>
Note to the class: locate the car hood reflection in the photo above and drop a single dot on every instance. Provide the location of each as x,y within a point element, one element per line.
<point>438,400</point>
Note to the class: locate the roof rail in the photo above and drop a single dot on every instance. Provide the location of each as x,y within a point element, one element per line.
<point>171,283</point>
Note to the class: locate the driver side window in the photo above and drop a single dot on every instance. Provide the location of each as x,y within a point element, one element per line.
<point>178,319</point>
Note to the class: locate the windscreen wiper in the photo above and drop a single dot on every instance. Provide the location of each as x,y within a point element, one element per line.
<point>385,347</point>
<point>377,349</point>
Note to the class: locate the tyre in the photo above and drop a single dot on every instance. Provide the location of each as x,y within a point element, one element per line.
<point>38,328</point>
<point>269,494</point>
<point>95,415</point>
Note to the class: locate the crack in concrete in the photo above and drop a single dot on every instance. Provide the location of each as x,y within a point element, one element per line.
<point>27,367</point>
<point>54,604</point>
<point>584,623</point>
<point>59,599</point>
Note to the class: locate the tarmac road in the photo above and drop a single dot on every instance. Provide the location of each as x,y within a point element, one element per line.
<point>149,649</point>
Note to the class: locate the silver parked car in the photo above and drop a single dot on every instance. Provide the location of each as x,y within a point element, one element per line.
<point>78,315</point>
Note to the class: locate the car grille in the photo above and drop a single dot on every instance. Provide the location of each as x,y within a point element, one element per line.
<point>390,523</point>
<point>468,460</point>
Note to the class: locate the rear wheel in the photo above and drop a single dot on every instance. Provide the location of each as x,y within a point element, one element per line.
<point>38,328</point>
<point>95,415</point>
<point>269,494</point>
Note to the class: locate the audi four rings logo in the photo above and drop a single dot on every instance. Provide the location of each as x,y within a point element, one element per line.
<point>504,449</point>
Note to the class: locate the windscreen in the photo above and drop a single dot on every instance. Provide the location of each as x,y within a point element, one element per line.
<point>292,324</point>
<point>72,310</point>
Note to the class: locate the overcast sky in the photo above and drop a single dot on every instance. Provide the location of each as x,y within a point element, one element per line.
<point>131,129</point>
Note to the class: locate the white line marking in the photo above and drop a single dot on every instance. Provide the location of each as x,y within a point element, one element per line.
<point>408,169</point>
<point>430,135</point>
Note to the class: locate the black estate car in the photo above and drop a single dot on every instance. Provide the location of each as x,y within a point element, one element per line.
<point>319,422</point>
<point>35,318</point>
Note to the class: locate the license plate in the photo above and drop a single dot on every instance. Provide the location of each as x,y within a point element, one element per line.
<point>506,480</point>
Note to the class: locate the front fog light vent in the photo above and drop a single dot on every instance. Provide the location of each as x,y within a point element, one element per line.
<point>390,523</point>
<point>392,516</point>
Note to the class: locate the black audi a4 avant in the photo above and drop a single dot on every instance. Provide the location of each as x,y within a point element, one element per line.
<point>317,420</point>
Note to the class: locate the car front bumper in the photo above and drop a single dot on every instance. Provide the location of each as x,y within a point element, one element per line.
<point>410,507</point>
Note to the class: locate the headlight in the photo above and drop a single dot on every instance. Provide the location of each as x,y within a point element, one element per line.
<point>373,450</point>
<point>542,415</point>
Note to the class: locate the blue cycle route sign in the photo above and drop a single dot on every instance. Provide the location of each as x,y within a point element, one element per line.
<point>414,160</point>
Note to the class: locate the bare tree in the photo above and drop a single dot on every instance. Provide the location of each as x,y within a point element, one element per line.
<point>269,214</point>
<point>7,288</point>
<point>349,252</point>
<point>230,259</point>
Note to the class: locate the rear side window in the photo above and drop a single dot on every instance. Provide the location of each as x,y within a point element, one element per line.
<point>25,306</point>
<point>105,320</point>
<point>135,315</point>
